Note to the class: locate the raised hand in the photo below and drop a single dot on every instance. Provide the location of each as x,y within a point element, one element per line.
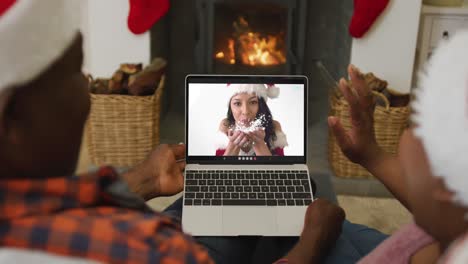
<point>358,144</point>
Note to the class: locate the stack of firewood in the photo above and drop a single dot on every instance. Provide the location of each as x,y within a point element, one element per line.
<point>130,79</point>
<point>395,98</point>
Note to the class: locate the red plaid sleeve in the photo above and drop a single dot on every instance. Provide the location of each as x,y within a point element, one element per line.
<point>72,216</point>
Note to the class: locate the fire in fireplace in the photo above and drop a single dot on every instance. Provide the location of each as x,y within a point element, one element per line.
<point>250,36</point>
<point>252,47</point>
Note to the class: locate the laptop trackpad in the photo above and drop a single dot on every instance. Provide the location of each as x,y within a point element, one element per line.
<point>249,220</point>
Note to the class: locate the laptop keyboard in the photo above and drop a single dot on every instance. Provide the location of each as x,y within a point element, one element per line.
<point>247,187</point>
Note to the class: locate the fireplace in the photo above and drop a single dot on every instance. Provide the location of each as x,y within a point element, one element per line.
<point>250,37</point>
<point>193,33</point>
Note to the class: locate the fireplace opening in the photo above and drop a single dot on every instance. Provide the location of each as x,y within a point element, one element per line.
<point>250,37</point>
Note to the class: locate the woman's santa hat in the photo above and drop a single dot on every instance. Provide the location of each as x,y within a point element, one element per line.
<point>34,34</point>
<point>441,114</point>
<point>457,252</point>
<point>264,91</point>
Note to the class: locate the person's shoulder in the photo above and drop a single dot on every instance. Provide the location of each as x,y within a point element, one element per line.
<point>224,126</point>
<point>277,126</point>
<point>280,141</point>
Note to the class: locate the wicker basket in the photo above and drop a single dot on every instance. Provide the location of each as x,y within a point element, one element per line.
<point>123,129</point>
<point>389,124</point>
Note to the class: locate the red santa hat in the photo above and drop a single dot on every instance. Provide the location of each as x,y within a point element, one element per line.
<point>34,33</point>
<point>261,90</point>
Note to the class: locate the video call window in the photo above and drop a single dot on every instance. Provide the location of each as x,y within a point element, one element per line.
<point>229,119</point>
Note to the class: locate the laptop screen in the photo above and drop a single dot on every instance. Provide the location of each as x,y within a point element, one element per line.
<point>246,119</point>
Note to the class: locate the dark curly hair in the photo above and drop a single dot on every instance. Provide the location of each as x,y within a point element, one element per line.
<point>263,110</point>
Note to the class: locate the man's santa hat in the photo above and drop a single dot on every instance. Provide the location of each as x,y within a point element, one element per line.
<point>441,114</point>
<point>264,91</point>
<point>34,34</point>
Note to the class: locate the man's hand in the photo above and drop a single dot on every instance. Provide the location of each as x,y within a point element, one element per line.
<point>160,174</point>
<point>359,144</point>
<point>322,226</point>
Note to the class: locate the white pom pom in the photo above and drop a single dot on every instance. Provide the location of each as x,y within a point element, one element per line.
<point>273,91</point>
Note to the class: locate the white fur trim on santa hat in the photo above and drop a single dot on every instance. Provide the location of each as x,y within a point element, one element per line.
<point>281,140</point>
<point>272,91</point>
<point>261,90</point>
<point>441,114</point>
<point>35,33</point>
<point>457,253</point>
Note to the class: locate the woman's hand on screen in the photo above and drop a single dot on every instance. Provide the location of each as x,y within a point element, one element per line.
<point>238,138</point>
<point>257,136</point>
<point>233,147</point>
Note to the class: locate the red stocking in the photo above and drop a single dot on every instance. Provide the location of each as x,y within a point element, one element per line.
<point>144,13</point>
<point>5,5</point>
<point>365,13</point>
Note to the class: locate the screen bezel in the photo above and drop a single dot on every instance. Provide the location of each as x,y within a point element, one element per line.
<point>276,79</point>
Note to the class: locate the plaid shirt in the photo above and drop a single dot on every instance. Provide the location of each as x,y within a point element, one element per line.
<point>83,217</point>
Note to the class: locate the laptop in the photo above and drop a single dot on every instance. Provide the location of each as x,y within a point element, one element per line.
<point>246,140</point>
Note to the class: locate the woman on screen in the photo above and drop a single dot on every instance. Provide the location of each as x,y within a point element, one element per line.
<point>249,128</point>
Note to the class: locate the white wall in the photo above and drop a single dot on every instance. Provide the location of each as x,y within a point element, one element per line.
<point>389,48</point>
<point>107,40</point>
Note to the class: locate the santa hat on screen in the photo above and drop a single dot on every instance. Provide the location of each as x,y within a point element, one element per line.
<point>441,114</point>
<point>261,90</point>
<point>34,33</point>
